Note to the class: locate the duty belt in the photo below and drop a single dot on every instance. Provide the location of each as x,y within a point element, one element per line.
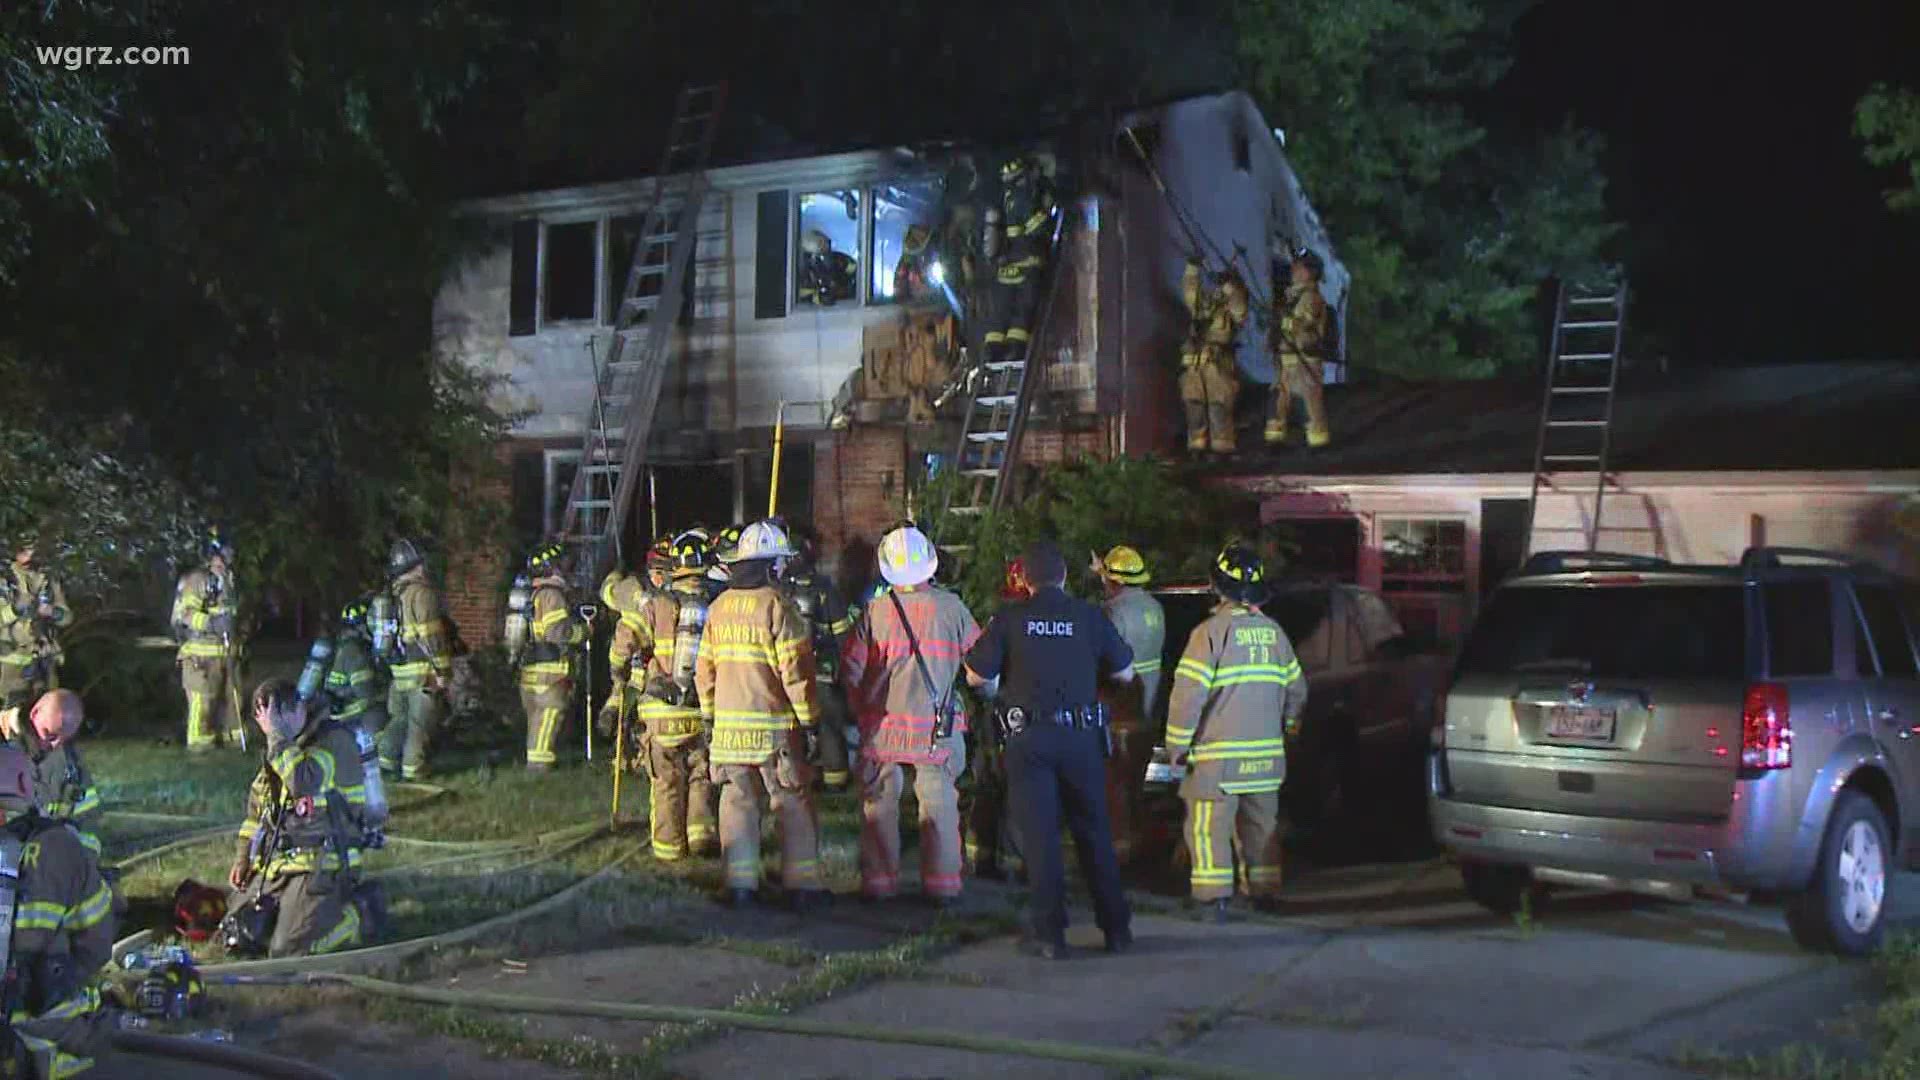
<point>1019,718</point>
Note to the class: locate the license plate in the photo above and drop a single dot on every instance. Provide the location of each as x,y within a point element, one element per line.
<point>1580,722</point>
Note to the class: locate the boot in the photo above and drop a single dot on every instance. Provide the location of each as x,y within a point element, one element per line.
<point>805,900</point>
<point>739,899</point>
<point>1197,441</point>
<point>1276,432</point>
<point>1220,425</point>
<point>1318,437</point>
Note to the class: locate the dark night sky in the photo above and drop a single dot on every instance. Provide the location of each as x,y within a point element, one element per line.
<point>1758,232</point>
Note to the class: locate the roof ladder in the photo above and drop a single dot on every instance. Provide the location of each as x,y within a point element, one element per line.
<point>1000,397</point>
<point>1576,412</point>
<point>627,384</point>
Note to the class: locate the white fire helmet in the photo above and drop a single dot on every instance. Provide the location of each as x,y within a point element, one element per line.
<point>907,557</point>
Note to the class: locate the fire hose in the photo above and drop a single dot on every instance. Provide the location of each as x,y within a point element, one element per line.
<point>1046,1049</point>
<point>217,1055</point>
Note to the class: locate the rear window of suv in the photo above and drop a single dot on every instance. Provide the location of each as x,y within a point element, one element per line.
<point>1649,632</point>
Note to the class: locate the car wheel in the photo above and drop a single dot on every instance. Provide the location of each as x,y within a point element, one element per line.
<point>1843,910</point>
<point>1502,888</point>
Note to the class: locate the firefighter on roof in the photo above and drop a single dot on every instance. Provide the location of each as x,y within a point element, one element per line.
<point>1237,684</point>
<point>757,689</point>
<point>1209,369</point>
<point>32,608</point>
<point>205,614</point>
<point>423,670</point>
<point>1303,341</point>
<point>554,634</point>
<point>1143,626</point>
<point>59,933</point>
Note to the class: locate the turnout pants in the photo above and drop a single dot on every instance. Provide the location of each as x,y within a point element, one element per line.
<point>1012,312</point>
<point>413,717</point>
<point>63,1040</point>
<point>1133,744</point>
<point>783,783</point>
<point>546,706</point>
<point>833,736</point>
<point>1055,772</point>
<point>680,797</point>
<point>316,914</point>
<point>1300,377</point>
<point>1220,824</point>
<point>881,784</point>
<point>1208,389</point>
<point>205,681</point>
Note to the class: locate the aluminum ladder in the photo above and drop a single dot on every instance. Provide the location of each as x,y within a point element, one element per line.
<point>1576,412</point>
<point>627,381</point>
<point>1000,398</point>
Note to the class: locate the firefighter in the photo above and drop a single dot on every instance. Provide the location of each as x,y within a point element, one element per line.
<point>913,275</point>
<point>988,830</point>
<point>757,691</point>
<point>1237,693</point>
<point>1027,207</point>
<point>299,844</point>
<point>423,671</point>
<point>1048,654</point>
<point>205,622</point>
<point>672,742</point>
<point>354,681</point>
<point>34,607</point>
<point>826,276</point>
<point>901,662</point>
<point>1209,365</point>
<point>62,786</point>
<point>818,601</point>
<point>1143,625</point>
<point>1305,338</point>
<point>626,597</point>
<point>62,933</point>
<point>546,667</point>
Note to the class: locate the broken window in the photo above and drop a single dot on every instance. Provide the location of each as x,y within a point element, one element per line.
<point>829,242</point>
<point>572,278</point>
<point>523,289</point>
<point>905,220</point>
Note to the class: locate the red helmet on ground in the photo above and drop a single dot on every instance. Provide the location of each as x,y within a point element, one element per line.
<point>197,910</point>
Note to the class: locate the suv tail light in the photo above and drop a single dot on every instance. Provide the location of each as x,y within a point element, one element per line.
<point>1766,734</point>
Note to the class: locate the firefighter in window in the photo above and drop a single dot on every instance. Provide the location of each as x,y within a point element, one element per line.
<point>59,920</point>
<point>826,276</point>
<point>913,280</point>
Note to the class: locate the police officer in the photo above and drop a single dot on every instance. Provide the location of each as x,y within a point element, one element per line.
<point>1048,655</point>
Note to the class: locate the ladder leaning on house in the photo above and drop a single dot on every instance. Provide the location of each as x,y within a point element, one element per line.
<point>627,384</point>
<point>1576,414</point>
<point>1001,396</point>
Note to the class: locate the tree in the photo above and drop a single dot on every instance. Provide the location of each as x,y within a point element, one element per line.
<point>243,297</point>
<point>1887,119</point>
<point>1448,234</point>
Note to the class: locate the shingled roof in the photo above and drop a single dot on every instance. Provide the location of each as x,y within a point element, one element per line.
<point>1837,416</point>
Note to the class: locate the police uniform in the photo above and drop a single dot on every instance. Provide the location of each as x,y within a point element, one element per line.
<point>1049,653</point>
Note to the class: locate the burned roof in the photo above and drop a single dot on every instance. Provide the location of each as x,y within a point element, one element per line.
<point>1833,416</point>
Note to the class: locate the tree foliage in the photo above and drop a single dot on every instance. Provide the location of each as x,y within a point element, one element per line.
<point>1448,232</point>
<point>1887,119</point>
<point>1090,505</point>
<point>240,285</point>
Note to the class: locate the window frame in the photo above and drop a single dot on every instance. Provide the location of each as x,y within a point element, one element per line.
<point>541,321</point>
<point>552,510</point>
<point>872,214</point>
<point>1462,578</point>
<point>863,233</point>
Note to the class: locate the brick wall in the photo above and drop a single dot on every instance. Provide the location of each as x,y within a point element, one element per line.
<point>474,596</point>
<point>859,483</point>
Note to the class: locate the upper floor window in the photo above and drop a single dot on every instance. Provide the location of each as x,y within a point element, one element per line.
<point>570,282</point>
<point>906,215</point>
<point>828,230</point>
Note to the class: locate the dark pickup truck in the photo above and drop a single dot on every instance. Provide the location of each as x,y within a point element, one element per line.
<point>1373,691</point>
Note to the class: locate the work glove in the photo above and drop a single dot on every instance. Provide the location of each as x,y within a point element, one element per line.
<point>1177,758</point>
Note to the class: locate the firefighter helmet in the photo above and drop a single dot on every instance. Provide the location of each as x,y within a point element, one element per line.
<point>1238,574</point>
<point>815,243</point>
<point>1013,168</point>
<point>1015,586</point>
<point>907,557</point>
<point>217,546</point>
<point>1311,258</point>
<point>724,543</point>
<point>403,556</point>
<point>1124,565</point>
<point>690,554</point>
<point>198,910</point>
<point>916,239</point>
<point>547,557</point>
<point>761,540</point>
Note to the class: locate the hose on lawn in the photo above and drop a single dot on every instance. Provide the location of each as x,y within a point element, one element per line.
<point>1048,1049</point>
<point>217,1055</point>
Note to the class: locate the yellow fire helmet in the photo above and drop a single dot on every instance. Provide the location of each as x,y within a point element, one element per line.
<point>1124,565</point>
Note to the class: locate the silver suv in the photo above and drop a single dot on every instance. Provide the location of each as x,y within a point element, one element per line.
<point>1625,723</point>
